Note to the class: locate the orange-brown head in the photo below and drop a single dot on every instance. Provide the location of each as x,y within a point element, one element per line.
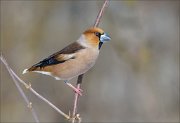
<point>96,37</point>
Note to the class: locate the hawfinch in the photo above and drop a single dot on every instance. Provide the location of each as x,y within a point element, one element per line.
<point>75,59</point>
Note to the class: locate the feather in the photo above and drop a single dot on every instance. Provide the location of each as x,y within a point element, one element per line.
<point>25,71</point>
<point>59,57</point>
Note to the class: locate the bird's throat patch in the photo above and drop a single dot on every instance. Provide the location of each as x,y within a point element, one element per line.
<point>100,44</point>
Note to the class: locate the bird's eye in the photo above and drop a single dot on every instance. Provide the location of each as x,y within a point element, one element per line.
<point>98,34</point>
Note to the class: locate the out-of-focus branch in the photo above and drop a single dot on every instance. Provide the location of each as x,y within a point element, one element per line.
<point>15,78</point>
<point>29,104</point>
<point>80,77</point>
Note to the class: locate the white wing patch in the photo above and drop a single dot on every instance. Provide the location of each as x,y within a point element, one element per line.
<point>68,56</point>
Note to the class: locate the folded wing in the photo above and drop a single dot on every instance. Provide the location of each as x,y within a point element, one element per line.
<point>60,57</point>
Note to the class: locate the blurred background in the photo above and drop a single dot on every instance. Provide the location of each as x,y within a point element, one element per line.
<point>135,79</point>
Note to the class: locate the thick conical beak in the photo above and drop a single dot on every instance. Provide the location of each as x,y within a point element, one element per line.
<point>105,37</point>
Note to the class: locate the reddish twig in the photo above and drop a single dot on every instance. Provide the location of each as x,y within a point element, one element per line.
<point>76,96</point>
<point>28,86</point>
<point>99,16</point>
<point>80,77</point>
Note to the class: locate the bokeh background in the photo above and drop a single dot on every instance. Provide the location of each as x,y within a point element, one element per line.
<point>135,79</point>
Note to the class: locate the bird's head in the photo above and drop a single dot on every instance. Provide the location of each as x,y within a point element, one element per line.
<point>96,37</point>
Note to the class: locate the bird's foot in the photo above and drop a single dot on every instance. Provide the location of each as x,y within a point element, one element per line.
<point>78,91</point>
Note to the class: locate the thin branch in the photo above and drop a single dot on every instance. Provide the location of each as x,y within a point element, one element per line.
<point>76,97</point>
<point>99,16</point>
<point>14,76</point>
<point>29,104</point>
<point>80,77</point>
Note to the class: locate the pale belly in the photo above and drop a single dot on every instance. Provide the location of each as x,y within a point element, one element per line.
<point>74,67</point>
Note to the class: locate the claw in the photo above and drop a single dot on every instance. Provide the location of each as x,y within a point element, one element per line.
<point>78,91</point>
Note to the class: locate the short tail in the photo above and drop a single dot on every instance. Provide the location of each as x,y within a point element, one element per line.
<point>39,66</point>
<point>25,71</point>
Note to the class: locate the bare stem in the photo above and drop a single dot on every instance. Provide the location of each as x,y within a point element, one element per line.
<point>15,78</point>
<point>80,77</point>
<point>76,96</point>
<point>99,16</point>
<point>29,104</point>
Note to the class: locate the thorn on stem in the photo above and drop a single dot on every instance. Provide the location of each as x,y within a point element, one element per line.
<point>78,117</point>
<point>30,105</point>
<point>28,86</point>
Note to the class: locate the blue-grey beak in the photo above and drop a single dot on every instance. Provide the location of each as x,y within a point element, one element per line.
<point>105,37</point>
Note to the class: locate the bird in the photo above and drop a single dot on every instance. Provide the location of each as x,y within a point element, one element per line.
<point>75,59</point>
